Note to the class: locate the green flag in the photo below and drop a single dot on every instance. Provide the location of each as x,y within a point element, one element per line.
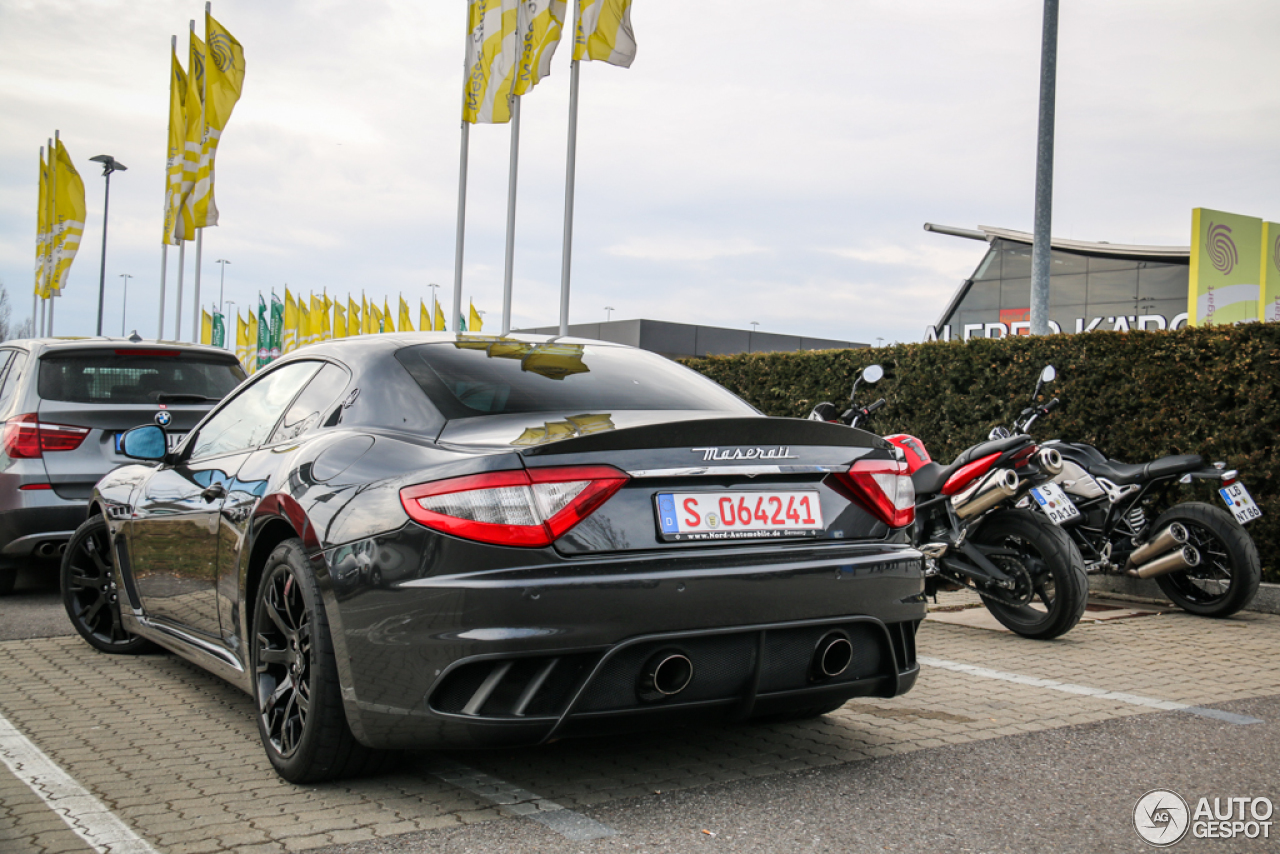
<point>264,335</point>
<point>277,326</point>
<point>219,330</point>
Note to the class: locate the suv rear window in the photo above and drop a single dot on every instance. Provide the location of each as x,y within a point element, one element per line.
<point>486,377</point>
<point>135,376</point>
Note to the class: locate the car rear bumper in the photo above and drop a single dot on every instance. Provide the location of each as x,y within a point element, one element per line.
<point>35,522</point>
<point>519,656</point>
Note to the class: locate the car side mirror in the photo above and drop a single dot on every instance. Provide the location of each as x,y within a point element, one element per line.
<point>144,443</point>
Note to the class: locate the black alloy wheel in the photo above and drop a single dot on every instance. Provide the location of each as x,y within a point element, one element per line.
<point>1048,561</point>
<point>89,592</point>
<point>1229,571</point>
<point>300,717</point>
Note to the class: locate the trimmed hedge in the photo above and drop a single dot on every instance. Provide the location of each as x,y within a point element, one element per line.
<point>1135,395</point>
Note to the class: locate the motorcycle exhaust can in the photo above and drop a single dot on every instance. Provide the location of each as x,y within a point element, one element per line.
<point>1050,460</point>
<point>1167,540</point>
<point>1000,486</point>
<point>1183,558</point>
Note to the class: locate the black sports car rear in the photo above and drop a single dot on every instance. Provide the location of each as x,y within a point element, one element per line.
<point>430,540</point>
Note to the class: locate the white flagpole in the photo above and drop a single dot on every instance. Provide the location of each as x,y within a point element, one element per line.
<point>462,195</point>
<point>509,269</point>
<point>566,253</point>
<point>53,232</point>
<point>164,247</point>
<point>35,296</point>
<point>182,267</point>
<point>204,131</point>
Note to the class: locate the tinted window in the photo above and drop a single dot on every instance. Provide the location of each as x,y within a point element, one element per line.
<point>312,405</point>
<point>12,376</point>
<point>246,420</point>
<point>489,377</point>
<point>137,376</point>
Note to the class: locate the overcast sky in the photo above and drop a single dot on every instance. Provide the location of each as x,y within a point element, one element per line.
<point>760,161</point>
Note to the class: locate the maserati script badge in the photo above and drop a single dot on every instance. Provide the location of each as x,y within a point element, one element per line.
<point>781,452</point>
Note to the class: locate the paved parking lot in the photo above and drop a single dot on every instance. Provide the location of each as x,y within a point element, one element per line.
<point>150,754</point>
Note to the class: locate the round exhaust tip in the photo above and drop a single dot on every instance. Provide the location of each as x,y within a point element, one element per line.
<point>832,656</point>
<point>664,675</point>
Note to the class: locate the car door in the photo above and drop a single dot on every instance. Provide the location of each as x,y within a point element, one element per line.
<point>174,530</point>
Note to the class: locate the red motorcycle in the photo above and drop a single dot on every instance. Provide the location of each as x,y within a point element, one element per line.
<point>1027,570</point>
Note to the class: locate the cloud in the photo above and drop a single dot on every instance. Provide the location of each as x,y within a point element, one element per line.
<point>672,248</point>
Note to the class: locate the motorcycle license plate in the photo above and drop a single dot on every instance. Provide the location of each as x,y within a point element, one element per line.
<point>1055,503</point>
<point>1240,502</point>
<point>738,515</point>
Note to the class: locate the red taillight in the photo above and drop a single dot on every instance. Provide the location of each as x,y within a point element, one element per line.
<point>27,438</point>
<point>886,489</point>
<point>1023,456</point>
<point>33,486</point>
<point>958,481</point>
<point>530,508</point>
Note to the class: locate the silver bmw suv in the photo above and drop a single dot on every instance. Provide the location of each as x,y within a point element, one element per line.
<point>64,404</point>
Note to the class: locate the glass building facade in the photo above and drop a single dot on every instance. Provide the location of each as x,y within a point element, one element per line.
<point>1091,286</point>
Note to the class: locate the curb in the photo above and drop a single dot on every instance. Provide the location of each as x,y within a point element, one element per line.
<point>1267,600</point>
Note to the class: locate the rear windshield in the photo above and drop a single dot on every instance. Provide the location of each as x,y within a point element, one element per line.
<point>137,376</point>
<point>468,379</point>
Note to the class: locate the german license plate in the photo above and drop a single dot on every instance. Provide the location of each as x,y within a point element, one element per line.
<point>739,515</point>
<point>174,439</point>
<point>1055,503</point>
<point>1240,502</point>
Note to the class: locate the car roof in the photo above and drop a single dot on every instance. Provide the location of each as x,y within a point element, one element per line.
<point>53,345</point>
<point>358,345</point>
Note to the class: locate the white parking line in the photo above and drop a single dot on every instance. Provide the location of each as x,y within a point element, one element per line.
<point>516,801</point>
<point>87,816</point>
<point>1085,690</point>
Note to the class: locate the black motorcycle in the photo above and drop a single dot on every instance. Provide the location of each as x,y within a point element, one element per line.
<point>1126,519</point>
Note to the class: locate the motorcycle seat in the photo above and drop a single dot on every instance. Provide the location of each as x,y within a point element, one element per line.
<point>929,478</point>
<point>1123,473</point>
<point>983,449</point>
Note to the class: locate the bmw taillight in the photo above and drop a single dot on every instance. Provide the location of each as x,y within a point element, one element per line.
<point>530,508</point>
<point>27,437</point>
<point>885,487</point>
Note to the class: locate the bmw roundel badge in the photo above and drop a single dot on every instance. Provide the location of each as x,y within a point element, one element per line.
<point>163,418</point>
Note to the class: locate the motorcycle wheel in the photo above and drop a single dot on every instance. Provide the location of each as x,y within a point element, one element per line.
<point>1060,586</point>
<point>1229,571</point>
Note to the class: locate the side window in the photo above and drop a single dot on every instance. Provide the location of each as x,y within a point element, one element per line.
<point>312,405</point>
<point>12,371</point>
<point>246,420</point>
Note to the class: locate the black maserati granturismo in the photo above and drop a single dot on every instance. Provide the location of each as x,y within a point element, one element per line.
<point>434,540</point>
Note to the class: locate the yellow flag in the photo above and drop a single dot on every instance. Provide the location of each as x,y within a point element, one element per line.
<point>325,332</point>
<point>177,145</point>
<point>290,336</point>
<point>304,324</point>
<point>406,321</point>
<point>424,317</point>
<point>375,319</point>
<point>185,223</point>
<point>42,231</point>
<point>388,320</point>
<point>439,324</point>
<point>366,317</point>
<point>604,32</point>
<point>251,360</point>
<point>225,79</point>
<point>206,327</point>
<point>318,325</point>
<point>474,322</point>
<point>68,216</point>
<point>538,27</point>
<point>242,339</point>
<point>339,321</point>
<point>354,326</point>
<point>491,61</point>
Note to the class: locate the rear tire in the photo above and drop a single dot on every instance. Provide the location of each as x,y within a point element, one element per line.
<point>1229,571</point>
<point>89,592</point>
<point>1053,561</point>
<point>300,716</point>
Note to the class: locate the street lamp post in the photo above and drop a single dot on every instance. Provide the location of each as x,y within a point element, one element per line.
<point>608,313</point>
<point>226,334</point>
<point>124,303</point>
<point>221,281</point>
<point>109,165</point>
